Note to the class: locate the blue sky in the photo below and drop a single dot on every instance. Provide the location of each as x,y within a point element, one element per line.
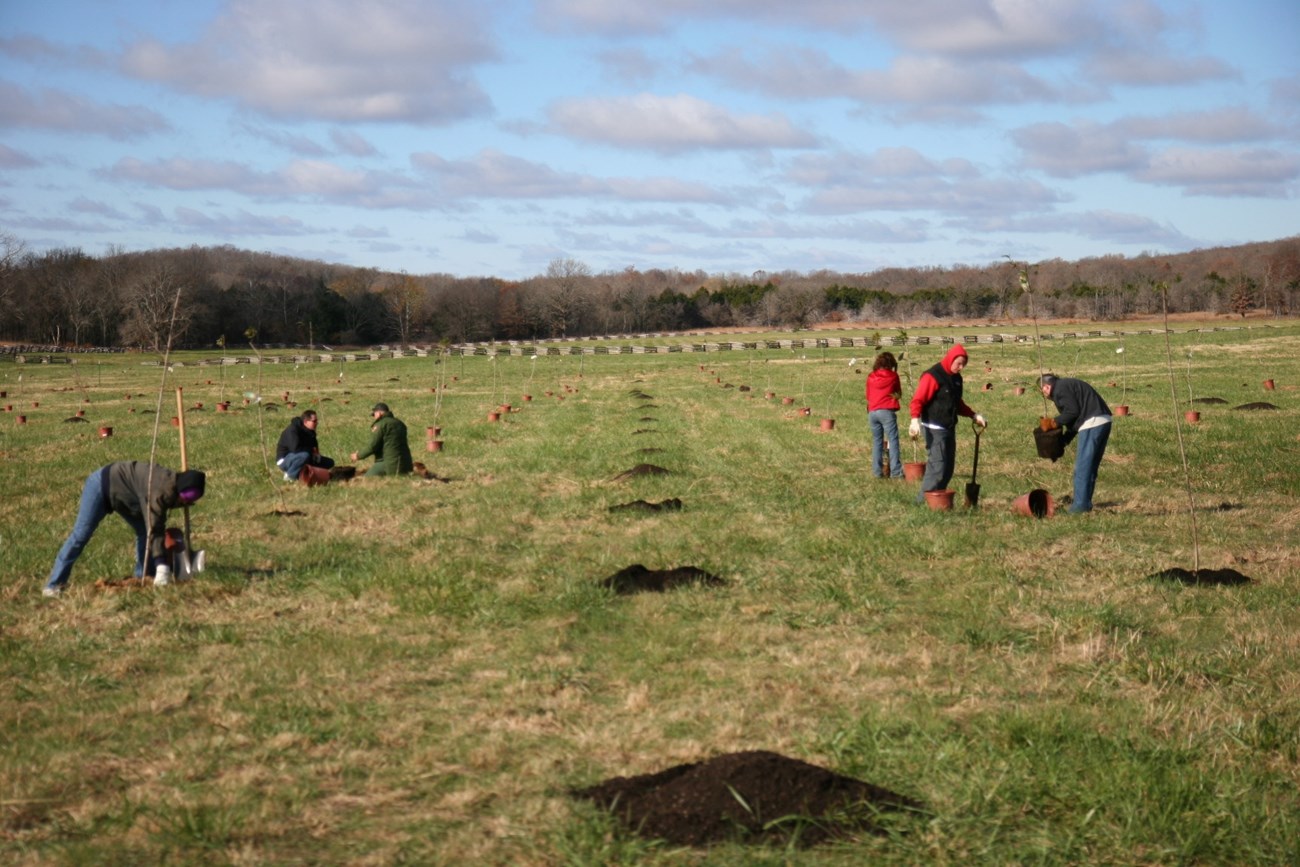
<point>490,137</point>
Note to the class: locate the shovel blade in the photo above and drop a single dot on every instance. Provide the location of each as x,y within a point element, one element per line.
<point>972,494</point>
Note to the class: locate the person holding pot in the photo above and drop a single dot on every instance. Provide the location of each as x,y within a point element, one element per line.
<point>936,405</point>
<point>142,493</point>
<point>1083,414</point>
<point>298,448</point>
<point>883,392</point>
<point>388,445</point>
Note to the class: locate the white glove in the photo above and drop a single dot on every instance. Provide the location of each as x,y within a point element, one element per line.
<point>162,576</point>
<point>981,421</point>
<point>914,429</point>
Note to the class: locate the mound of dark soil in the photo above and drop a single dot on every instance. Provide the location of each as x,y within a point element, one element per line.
<point>755,797</point>
<point>640,395</point>
<point>644,430</point>
<point>647,418</point>
<point>651,451</point>
<point>649,406</point>
<point>640,470</point>
<point>342,474</point>
<point>672,505</point>
<point>744,388</point>
<point>1203,577</point>
<point>75,419</point>
<point>1213,400</point>
<point>638,579</point>
<point>1259,404</point>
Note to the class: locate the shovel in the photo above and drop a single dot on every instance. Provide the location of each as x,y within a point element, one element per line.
<point>972,489</point>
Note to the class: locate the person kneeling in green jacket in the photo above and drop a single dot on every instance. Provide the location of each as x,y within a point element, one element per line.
<point>388,444</point>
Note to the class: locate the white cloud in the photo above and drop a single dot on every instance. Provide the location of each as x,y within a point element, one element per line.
<point>386,60</point>
<point>1066,151</point>
<point>1260,172</point>
<point>352,143</point>
<point>672,124</point>
<point>10,158</point>
<point>242,223</point>
<point>492,174</point>
<point>52,109</point>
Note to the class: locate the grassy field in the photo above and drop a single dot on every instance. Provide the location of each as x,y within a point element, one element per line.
<point>417,671</point>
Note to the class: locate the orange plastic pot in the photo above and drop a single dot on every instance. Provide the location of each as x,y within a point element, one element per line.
<point>828,424</point>
<point>939,501</point>
<point>1038,503</point>
<point>914,471</point>
<point>1192,416</point>
<point>1122,409</point>
<point>314,476</point>
<point>1268,385</point>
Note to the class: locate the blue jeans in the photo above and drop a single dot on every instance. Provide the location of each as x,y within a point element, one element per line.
<point>93,509</point>
<point>1092,445</point>
<point>940,460</point>
<point>884,423</point>
<point>293,463</point>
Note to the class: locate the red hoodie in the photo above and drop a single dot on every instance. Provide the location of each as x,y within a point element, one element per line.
<point>927,385</point>
<point>883,390</point>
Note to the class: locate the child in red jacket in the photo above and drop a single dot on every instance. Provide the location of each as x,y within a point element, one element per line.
<point>883,392</point>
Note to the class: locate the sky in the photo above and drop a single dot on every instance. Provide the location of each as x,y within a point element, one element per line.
<point>493,137</point>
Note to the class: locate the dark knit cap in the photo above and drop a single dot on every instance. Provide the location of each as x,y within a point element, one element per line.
<point>380,407</point>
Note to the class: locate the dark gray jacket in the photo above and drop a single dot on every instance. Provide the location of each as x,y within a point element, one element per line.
<point>1076,401</point>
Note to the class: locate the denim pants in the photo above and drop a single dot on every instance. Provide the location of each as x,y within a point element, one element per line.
<point>93,509</point>
<point>293,463</point>
<point>884,424</point>
<point>1092,445</point>
<point>940,461</point>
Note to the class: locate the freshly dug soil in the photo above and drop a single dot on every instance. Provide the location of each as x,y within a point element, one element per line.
<point>647,418</point>
<point>638,579</point>
<point>1259,404</point>
<point>1203,577</point>
<point>640,395</point>
<point>75,420</point>
<point>673,505</point>
<point>650,451</point>
<point>751,797</point>
<point>1208,400</point>
<point>342,474</point>
<point>644,430</point>
<point>640,470</point>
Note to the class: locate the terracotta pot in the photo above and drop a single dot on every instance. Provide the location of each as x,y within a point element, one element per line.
<point>176,421</point>
<point>36,404</point>
<point>431,432</point>
<point>1037,503</point>
<point>914,471</point>
<point>314,476</point>
<point>105,432</point>
<point>434,445</point>
<point>1020,389</point>
<point>1268,385</point>
<point>549,393</point>
<point>769,394</point>
<point>22,419</point>
<point>9,407</point>
<point>786,401</point>
<point>504,408</point>
<point>223,406</point>
<point>494,416</point>
<point>528,398</point>
<point>1122,409</point>
<point>828,424</point>
<point>939,501</point>
<point>805,410</point>
<point>81,413</point>
<point>1192,416</point>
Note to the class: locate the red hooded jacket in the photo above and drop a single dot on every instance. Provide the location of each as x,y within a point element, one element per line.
<point>927,386</point>
<point>883,390</point>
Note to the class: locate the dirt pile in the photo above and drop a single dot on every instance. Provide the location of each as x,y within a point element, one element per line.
<point>638,579</point>
<point>669,505</point>
<point>1203,577</point>
<point>640,470</point>
<point>753,797</point>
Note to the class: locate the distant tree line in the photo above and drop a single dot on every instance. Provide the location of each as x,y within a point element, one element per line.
<point>223,296</point>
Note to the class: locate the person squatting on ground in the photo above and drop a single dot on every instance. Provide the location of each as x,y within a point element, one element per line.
<point>142,493</point>
<point>388,444</point>
<point>936,405</point>
<point>298,448</point>
<point>883,393</point>
<point>1083,415</point>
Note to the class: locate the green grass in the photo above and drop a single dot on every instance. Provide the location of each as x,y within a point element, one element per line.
<point>416,671</point>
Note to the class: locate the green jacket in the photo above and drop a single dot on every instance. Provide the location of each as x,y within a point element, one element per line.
<point>389,446</point>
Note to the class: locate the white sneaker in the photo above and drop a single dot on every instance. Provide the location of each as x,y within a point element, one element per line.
<point>289,478</point>
<point>52,592</point>
<point>162,576</point>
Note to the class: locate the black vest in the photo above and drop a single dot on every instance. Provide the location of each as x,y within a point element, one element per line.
<point>942,408</point>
